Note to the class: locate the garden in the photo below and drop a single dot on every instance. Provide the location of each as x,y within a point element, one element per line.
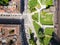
<point>36,26</point>
<point>49,31</point>
<point>46,18</point>
<point>48,35</point>
<point>44,35</point>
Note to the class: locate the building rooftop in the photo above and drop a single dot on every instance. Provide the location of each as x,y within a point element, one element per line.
<point>10,33</point>
<point>13,7</point>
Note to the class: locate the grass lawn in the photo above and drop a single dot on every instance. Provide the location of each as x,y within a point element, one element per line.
<point>35,17</point>
<point>32,4</point>
<point>49,31</point>
<point>36,26</point>
<point>47,40</point>
<point>47,2</point>
<point>46,18</point>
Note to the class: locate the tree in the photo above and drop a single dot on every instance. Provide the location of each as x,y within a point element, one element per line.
<point>4,2</point>
<point>41,35</point>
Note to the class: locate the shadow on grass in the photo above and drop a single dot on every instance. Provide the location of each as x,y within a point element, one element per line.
<point>32,39</point>
<point>48,6</point>
<point>53,41</point>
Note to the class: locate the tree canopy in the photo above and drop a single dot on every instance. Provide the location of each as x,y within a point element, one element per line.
<point>4,2</point>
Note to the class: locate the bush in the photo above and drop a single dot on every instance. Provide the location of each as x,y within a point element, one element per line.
<point>32,41</point>
<point>4,2</point>
<point>41,35</point>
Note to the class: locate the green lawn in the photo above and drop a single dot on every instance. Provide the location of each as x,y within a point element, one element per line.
<point>47,40</point>
<point>32,4</point>
<point>36,26</point>
<point>46,18</point>
<point>49,31</point>
<point>35,17</point>
<point>47,2</point>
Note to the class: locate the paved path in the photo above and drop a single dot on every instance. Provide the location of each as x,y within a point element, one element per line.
<point>33,29</point>
<point>29,23</point>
